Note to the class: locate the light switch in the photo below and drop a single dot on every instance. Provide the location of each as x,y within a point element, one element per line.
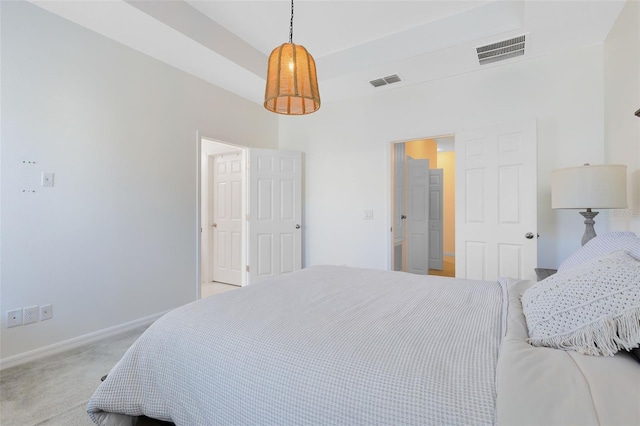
<point>47,179</point>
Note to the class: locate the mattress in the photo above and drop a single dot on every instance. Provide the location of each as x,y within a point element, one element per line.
<point>327,345</point>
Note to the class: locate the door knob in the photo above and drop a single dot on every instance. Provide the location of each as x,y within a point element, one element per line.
<point>529,235</point>
<point>297,226</point>
<point>403,217</point>
<point>215,225</point>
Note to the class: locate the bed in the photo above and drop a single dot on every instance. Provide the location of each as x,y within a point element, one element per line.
<point>332,345</point>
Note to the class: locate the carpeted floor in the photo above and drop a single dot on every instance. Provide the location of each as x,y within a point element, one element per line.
<point>55,390</point>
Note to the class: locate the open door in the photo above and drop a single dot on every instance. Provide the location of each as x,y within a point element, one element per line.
<point>275,213</point>
<point>226,208</point>
<point>398,188</point>
<point>496,202</point>
<point>417,221</point>
<point>436,210</point>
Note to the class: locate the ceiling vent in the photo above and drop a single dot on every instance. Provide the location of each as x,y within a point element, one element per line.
<point>501,50</point>
<point>390,79</point>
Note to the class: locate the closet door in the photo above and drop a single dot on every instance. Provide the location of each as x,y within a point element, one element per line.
<point>496,202</point>
<point>275,213</point>
<point>417,226</point>
<point>226,227</point>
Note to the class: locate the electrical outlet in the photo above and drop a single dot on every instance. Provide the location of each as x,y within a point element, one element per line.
<point>30,314</point>
<point>46,312</point>
<point>14,318</point>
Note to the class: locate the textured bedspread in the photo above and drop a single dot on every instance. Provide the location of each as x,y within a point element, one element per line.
<point>323,346</point>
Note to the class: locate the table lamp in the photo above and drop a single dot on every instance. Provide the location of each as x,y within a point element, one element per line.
<point>589,187</point>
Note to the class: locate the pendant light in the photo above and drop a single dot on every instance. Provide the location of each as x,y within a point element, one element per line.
<point>292,83</point>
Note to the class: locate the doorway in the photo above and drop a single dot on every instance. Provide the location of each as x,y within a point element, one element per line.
<point>223,209</point>
<point>264,213</point>
<point>495,210</point>
<point>423,206</point>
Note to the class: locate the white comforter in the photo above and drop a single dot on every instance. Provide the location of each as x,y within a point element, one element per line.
<point>326,345</point>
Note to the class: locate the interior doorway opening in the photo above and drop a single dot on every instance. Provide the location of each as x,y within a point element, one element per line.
<point>223,207</point>
<point>423,206</point>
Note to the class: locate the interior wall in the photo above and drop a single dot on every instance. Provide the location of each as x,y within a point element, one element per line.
<point>426,149</point>
<point>346,147</point>
<point>622,99</point>
<point>114,240</point>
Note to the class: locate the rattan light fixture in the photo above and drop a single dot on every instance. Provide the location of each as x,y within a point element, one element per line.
<point>292,83</point>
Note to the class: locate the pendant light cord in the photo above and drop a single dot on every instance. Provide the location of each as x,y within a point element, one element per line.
<point>291,25</point>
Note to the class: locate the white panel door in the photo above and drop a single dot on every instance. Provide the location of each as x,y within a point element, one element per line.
<point>436,210</point>
<point>227,218</point>
<point>417,222</point>
<point>398,192</point>
<point>275,213</point>
<point>496,202</point>
<point>398,204</point>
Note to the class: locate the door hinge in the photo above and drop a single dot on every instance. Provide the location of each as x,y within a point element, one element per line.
<point>248,217</point>
<point>247,268</point>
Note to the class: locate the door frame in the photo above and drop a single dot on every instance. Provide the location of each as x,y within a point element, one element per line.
<point>202,139</point>
<point>390,211</point>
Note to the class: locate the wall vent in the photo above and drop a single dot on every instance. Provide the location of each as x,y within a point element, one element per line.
<point>390,79</point>
<point>501,50</point>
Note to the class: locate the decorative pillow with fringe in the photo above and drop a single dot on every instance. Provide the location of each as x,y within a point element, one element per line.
<point>593,308</point>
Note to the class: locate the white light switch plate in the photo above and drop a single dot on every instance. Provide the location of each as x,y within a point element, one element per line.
<point>47,179</point>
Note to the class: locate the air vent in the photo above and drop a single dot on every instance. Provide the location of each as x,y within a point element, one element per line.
<point>501,50</point>
<point>390,79</point>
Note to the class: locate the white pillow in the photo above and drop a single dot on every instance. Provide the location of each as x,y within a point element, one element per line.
<point>599,246</point>
<point>593,308</point>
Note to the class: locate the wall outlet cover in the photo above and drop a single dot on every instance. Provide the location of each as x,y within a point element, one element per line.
<point>46,312</point>
<point>30,314</point>
<point>14,318</point>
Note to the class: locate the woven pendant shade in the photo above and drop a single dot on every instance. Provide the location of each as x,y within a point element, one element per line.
<point>292,83</point>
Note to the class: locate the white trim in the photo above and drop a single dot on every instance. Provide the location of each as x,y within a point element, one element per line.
<point>198,215</point>
<point>76,342</point>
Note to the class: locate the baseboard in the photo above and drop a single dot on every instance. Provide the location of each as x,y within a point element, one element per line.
<point>76,342</point>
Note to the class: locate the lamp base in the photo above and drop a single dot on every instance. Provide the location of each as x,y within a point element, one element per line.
<point>589,232</point>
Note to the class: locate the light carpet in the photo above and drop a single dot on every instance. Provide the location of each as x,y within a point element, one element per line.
<point>55,390</point>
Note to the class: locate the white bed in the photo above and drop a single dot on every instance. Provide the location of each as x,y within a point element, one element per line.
<point>346,346</point>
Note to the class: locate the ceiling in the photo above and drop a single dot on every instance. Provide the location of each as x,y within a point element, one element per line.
<point>228,42</point>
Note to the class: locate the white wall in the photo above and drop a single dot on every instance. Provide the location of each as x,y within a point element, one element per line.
<point>347,148</point>
<point>622,99</point>
<point>115,239</point>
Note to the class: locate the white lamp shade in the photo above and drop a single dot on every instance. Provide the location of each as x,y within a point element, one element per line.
<point>593,187</point>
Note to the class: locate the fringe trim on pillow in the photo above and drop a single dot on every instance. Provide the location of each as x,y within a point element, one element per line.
<point>603,337</point>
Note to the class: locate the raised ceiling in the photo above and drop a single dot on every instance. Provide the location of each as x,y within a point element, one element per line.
<point>228,42</point>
